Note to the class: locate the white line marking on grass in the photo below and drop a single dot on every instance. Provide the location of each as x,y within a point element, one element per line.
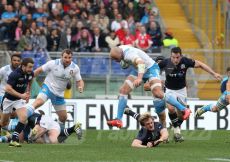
<point>218,159</point>
<point>6,161</point>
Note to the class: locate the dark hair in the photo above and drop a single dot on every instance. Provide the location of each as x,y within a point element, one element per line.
<point>228,69</point>
<point>27,60</point>
<point>159,58</point>
<point>15,55</point>
<point>67,51</point>
<point>176,50</point>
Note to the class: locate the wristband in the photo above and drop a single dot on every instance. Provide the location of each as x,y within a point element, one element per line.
<point>228,92</point>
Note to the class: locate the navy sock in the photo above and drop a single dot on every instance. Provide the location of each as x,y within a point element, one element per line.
<point>134,115</point>
<point>174,119</point>
<point>20,126</point>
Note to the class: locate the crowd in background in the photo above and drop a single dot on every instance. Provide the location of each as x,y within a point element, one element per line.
<point>81,25</point>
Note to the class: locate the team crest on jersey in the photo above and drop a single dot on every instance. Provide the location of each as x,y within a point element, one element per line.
<point>182,66</point>
<point>71,72</point>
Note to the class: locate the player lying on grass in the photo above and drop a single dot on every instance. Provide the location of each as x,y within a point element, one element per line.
<point>46,130</point>
<point>222,102</point>
<point>40,122</point>
<point>151,134</point>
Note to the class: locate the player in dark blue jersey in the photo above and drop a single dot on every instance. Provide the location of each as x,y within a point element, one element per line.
<point>222,102</point>
<point>151,134</point>
<point>17,94</point>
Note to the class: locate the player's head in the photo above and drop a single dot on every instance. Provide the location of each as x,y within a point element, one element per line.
<point>158,59</point>
<point>116,54</point>
<point>66,57</point>
<point>228,71</point>
<point>27,65</point>
<point>147,121</point>
<point>15,60</point>
<point>176,55</point>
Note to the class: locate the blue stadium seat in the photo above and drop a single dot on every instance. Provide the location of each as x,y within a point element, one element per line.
<point>94,66</point>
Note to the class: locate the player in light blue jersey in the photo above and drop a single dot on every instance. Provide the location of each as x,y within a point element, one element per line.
<point>59,72</point>
<point>222,102</point>
<point>144,69</point>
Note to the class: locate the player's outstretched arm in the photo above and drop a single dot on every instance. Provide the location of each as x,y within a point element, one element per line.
<point>138,143</point>
<point>199,64</point>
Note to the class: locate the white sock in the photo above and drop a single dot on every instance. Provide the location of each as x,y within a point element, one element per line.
<point>177,130</point>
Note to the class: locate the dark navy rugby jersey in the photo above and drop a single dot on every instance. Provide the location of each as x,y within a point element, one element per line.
<point>19,82</point>
<point>176,74</point>
<point>146,136</point>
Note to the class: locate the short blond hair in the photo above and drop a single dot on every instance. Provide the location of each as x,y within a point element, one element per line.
<point>144,117</point>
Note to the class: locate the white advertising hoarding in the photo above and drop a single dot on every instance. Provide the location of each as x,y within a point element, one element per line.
<point>94,113</point>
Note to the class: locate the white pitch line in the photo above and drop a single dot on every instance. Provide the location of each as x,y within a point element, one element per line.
<point>218,159</point>
<point>6,161</point>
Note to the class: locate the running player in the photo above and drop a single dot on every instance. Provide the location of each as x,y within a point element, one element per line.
<point>222,102</point>
<point>17,93</point>
<point>59,72</point>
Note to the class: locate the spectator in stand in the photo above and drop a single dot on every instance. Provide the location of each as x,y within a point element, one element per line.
<point>102,20</point>
<point>28,20</point>
<point>9,22</point>
<point>131,24</point>
<point>112,40</point>
<point>129,39</point>
<point>33,27</point>
<point>89,20</point>
<point>114,6</point>
<point>25,43</point>
<point>143,40</point>
<point>83,41</point>
<point>39,42</point>
<point>114,14</point>
<point>116,24</point>
<point>53,40</point>
<point>62,26</point>
<point>121,32</point>
<point>17,7</point>
<point>31,6</point>
<point>23,13</point>
<point>3,6</point>
<point>99,44</point>
<point>66,40</point>
<point>152,18</point>
<point>138,29</point>
<point>18,31</point>
<point>141,8</point>
<point>169,41</point>
<point>145,18</point>
<point>155,34</point>
<point>38,16</point>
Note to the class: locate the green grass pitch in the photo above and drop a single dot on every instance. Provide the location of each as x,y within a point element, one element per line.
<point>114,146</point>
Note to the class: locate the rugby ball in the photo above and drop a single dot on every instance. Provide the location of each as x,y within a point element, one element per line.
<point>124,64</point>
